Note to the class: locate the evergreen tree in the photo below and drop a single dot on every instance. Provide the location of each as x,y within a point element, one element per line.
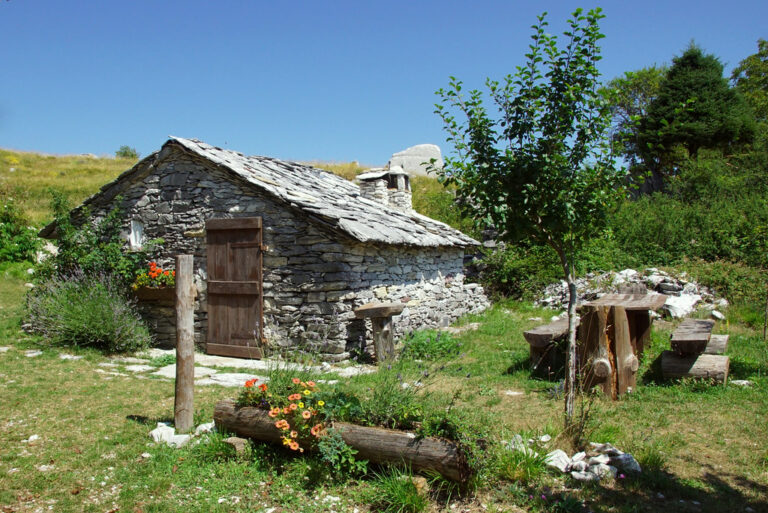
<point>695,108</point>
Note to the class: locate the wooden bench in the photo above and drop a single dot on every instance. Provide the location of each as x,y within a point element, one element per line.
<point>381,320</point>
<point>543,341</point>
<point>696,353</point>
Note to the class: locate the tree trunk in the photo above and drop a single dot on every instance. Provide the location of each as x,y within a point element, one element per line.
<point>570,362</point>
<point>375,444</point>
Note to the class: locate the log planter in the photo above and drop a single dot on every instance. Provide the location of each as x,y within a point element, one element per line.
<point>375,444</point>
<point>164,294</point>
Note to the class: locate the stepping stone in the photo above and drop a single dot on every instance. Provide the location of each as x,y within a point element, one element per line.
<point>229,379</point>
<point>65,356</point>
<point>129,359</point>
<point>139,368</point>
<point>169,371</point>
<point>32,353</point>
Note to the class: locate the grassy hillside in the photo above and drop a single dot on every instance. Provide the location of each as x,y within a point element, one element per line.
<point>28,178</point>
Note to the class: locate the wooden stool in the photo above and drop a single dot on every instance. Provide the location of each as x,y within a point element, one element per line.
<point>381,319</point>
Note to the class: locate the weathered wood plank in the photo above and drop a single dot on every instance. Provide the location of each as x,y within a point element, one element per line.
<point>542,336</point>
<point>691,336</point>
<point>595,351</point>
<point>233,287</point>
<point>717,344</point>
<point>631,301</point>
<point>379,310</point>
<point>626,361</point>
<point>237,223</point>
<point>377,445</point>
<point>703,366</point>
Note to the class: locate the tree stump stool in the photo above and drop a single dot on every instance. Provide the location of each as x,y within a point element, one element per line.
<point>381,319</point>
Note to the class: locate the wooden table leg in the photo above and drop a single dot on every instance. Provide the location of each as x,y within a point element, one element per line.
<point>383,338</point>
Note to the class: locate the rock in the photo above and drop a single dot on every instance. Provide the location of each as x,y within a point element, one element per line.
<point>585,476</point>
<point>558,459</point>
<point>605,448</point>
<point>32,353</point>
<point>545,439</point>
<point>626,463</point>
<point>421,485</point>
<point>237,443</point>
<point>579,456</point>
<point>145,455</point>
<point>602,470</point>
<point>717,315</point>
<point>513,393</point>
<point>578,466</point>
<point>163,433</point>
<point>600,459</point>
<point>4,349</point>
<point>45,468</point>
<point>412,159</point>
<point>205,428</point>
<point>169,371</point>
<point>178,441</point>
<point>65,356</point>
<point>138,368</point>
<point>740,382</point>
<point>681,306</point>
<point>31,439</point>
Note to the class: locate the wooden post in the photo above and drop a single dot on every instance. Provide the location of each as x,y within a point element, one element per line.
<point>626,361</point>
<point>382,324</point>
<point>184,408</point>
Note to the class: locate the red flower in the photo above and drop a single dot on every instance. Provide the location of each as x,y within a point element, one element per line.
<point>251,382</point>
<point>263,387</point>
<point>296,381</point>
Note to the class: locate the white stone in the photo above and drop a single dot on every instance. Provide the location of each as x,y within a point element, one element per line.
<point>162,433</point>
<point>4,349</point>
<point>146,455</point>
<point>513,393</point>
<point>741,382</point>
<point>233,379</point>
<point>681,306</point>
<point>205,428</point>
<point>717,315</point>
<point>602,470</point>
<point>600,459</point>
<point>45,468</point>
<point>65,356</point>
<point>32,353</point>
<point>578,466</point>
<point>579,456</point>
<point>169,371</point>
<point>585,476</point>
<point>178,441</point>
<point>138,368</point>
<point>129,359</point>
<point>558,459</point>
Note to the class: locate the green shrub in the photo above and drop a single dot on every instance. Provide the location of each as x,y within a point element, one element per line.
<point>86,311</point>
<point>429,345</point>
<point>126,152</point>
<point>739,283</point>
<point>339,457</point>
<point>93,248</point>
<point>520,272</point>
<point>18,241</point>
<point>398,493</point>
<point>433,199</point>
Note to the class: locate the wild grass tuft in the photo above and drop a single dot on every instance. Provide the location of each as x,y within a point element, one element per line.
<point>397,492</point>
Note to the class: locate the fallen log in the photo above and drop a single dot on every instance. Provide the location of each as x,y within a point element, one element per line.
<point>374,444</point>
<point>703,366</point>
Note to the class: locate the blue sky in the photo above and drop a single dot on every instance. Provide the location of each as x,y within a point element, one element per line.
<point>321,80</point>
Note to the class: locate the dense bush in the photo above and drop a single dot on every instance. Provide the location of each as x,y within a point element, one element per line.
<point>86,310</point>
<point>18,241</point>
<point>430,344</point>
<point>96,248</point>
<point>126,152</point>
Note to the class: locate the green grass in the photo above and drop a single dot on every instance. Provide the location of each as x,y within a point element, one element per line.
<point>34,175</point>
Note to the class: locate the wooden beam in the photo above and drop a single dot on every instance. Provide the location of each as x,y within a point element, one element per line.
<point>692,336</point>
<point>626,361</point>
<point>235,223</point>
<point>379,310</point>
<point>631,301</point>
<point>703,366</point>
<point>184,408</point>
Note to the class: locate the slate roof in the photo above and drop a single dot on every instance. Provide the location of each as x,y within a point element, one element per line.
<point>334,201</point>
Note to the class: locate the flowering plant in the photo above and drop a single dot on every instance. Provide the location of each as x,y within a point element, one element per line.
<point>295,411</point>
<point>154,276</point>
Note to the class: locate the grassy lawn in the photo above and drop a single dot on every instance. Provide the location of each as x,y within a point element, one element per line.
<point>702,448</point>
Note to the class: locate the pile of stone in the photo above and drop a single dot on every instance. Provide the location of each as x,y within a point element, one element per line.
<point>683,294</point>
<point>600,461</point>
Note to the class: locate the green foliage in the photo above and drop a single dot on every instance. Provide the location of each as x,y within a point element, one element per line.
<point>389,404</point>
<point>338,456</point>
<point>751,79</point>
<point>86,310</point>
<point>520,272</point>
<point>524,466</point>
<point>430,345</point>
<point>18,240</point>
<point>542,171</point>
<point>438,201</point>
<point>126,152</point>
<point>695,108</point>
<point>94,248</point>
<point>741,284</point>
<point>398,493</point>
<point>162,361</point>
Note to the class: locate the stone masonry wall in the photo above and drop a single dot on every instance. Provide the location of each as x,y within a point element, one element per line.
<point>313,277</point>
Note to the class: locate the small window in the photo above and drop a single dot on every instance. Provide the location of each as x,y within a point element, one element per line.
<point>136,238</point>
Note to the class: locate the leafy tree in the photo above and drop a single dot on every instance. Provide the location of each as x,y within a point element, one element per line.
<point>126,152</point>
<point>751,79</point>
<point>629,96</point>
<point>542,172</point>
<point>695,108</point>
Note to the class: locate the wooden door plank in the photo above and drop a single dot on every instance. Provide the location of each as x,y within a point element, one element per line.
<point>234,287</point>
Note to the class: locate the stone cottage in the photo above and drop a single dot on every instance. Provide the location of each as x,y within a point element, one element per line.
<point>285,252</point>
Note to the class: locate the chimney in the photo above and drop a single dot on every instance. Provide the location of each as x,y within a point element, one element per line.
<point>388,186</point>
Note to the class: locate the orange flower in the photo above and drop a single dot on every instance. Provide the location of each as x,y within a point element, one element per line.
<point>167,273</point>
<point>274,412</point>
<point>306,414</point>
<point>282,424</point>
<point>296,381</point>
<point>294,434</point>
<point>294,446</point>
<point>263,387</point>
<point>251,382</point>
<point>293,406</point>
<point>310,384</point>
<point>152,265</point>
<point>173,273</point>
<point>286,411</point>
<point>294,397</point>
<point>315,429</point>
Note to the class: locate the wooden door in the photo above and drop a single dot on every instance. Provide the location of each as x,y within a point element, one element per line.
<point>235,303</point>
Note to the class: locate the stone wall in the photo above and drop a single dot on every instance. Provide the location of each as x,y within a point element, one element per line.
<point>313,277</point>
